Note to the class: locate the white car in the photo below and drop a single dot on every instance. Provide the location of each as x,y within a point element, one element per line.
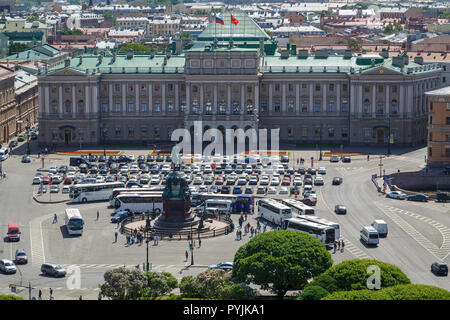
<point>165,168</point>
<point>275,181</point>
<point>280,169</point>
<point>284,190</point>
<point>134,168</point>
<point>54,189</point>
<point>248,169</point>
<point>334,159</point>
<point>144,179</point>
<point>53,170</point>
<point>195,169</point>
<point>242,180</point>
<point>57,179</point>
<point>193,189</point>
<point>318,181</point>
<point>322,170</point>
<point>7,266</point>
<point>298,181</point>
<point>271,190</point>
<point>110,179</point>
<point>36,180</point>
<point>198,180</point>
<point>131,156</point>
<point>99,179</point>
<point>65,189</point>
<point>202,189</point>
<point>207,169</point>
<point>70,175</point>
<point>396,195</point>
<point>124,170</point>
<point>264,181</point>
<point>155,180</point>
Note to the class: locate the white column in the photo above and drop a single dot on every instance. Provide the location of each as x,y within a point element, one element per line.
<point>201,99</point>
<point>124,98</point>
<point>95,101</point>
<point>138,101</point>
<point>188,98</point>
<point>150,98</point>
<point>60,101</point>
<point>242,98</point>
<point>111,101</point>
<point>40,100</point>
<point>270,98</point>
<point>352,98</point>
<point>74,101</point>
<point>402,100</point>
<point>215,99</point>
<point>338,98</point>
<point>297,99</point>
<point>87,89</point>
<point>47,99</point>
<point>360,98</point>
<point>388,103</point>
<point>374,101</point>
<point>256,102</point>
<point>311,98</point>
<point>283,98</point>
<point>324,99</point>
<point>410,100</point>
<point>163,100</point>
<point>177,99</point>
<point>228,98</point>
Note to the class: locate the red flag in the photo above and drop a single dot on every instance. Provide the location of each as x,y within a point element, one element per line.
<point>234,20</point>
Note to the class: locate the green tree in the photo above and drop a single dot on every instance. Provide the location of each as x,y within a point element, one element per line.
<point>32,18</point>
<point>398,28</point>
<point>354,45</point>
<point>281,260</point>
<point>10,297</point>
<point>136,47</point>
<point>16,47</point>
<point>313,293</point>
<point>389,29</point>
<point>123,284</point>
<point>159,284</point>
<point>353,275</point>
<point>357,295</point>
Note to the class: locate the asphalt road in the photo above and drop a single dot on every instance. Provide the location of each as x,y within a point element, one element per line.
<point>419,233</point>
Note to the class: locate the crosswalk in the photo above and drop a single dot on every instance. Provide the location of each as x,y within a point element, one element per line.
<point>354,250</point>
<point>115,266</point>
<point>394,214</point>
<point>36,240</point>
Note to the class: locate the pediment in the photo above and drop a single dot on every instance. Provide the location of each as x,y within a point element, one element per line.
<point>66,72</point>
<point>381,71</point>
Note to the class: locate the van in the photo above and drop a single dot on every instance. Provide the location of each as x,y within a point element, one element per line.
<point>369,235</point>
<point>13,231</point>
<point>4,154</point>
<point>76,161</point>
<point>381,227</point>
<point>53,270</point>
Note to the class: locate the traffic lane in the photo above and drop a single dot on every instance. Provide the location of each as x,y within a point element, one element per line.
<point>431,209</point>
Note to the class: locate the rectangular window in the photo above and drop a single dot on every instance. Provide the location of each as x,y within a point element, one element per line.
<point>344,132</point>
<point>366,89</point>
<point>447,120</point>
<point>157,132</point>
<point>117,108</point>
<point>317,87</point>
<point>170,106</point>
<point>331,106</point>
<point>344,105</point>
<point>290,132</point>
<point>104,106</point>
<point>264,106</point>
<point>394,89</point>
<point>305,131</point>
<point>170,87</point>
<point>380,89</point>
<point>344,87</point>
<point>143,106</point>
<point>157,106</point>
<point>448,106</point>
<point>277,87</point>
<point>131,87</point>
<point>331,132</point>
<point>277,105</point>
<point>144,132</point>
<point>304,86</point>
<point>291,106</point>
<point>117,131</point>
<point>117,87</point>
<point>290,87</point>
<point>130,132</point>
<point>130,106</point>
<point>317,132</point>
<point>304,106</point>
<point>249,89</point>
<point>317,106</point>
<point>331,87</point>
<point>156,86</point>
<point>366,133</point>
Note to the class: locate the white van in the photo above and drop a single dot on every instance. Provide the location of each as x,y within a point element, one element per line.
<point>381,227</point>
<point>4,154</point>
<point>369,235</point>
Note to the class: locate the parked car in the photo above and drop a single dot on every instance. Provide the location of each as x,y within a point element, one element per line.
<point>54,270</point>
<point>223,266</point>
<point>340,209</point>
<point>439,269</point>
<point>318,181</point>
<point>36,180</point>
<point>54,189</point>
<point>396,195</point>
<point>237,190</point>
<point>417,197</point>
<point>26,159</point>
<point>261,190</point>
<point>7,266</point>
<point>337,180</point>
<point>442,196</point>
<point>272,190</point>
<point>21,257</point>
<point>65,189</point>
<point>225,190</point>
<point>346,159</point>
<point>13,144</point>
<point>334,159</point>
<point>119,216</point>
<point>322,170</point>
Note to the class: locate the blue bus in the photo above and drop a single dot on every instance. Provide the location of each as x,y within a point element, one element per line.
<point>241,203</point>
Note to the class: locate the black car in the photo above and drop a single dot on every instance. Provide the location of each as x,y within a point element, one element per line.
<point>340,209</point>
<point>123,159</point>
<point>225,190</point>
<point>13,144</point>
<point>284,158</point>
<point>346,159</point>
<point>141,159</point>
<point>439,269</point>
<point>101,159</point>
<point>62,169</point>
<point>150,158</point>
<point>248,190</point>
<point>442,196</point>
<point>112,159</point>
<point>312,171</point>
<point>94,170</point>
<point>301,170</point>
<point>145,168</point>
<point>26,159</point>
<point>103,170</point>
<point>417,197</point>
<point>33,136</point>
<point>92,158</point>
<point>159,158</point>
<point>337,180</point>
<point>168,159</point>
<point>132,184</point>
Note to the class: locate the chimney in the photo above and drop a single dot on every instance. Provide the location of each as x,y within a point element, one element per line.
<point>114,57</point>
<point>165,61</point>
<point>81,60</point>
<point>384,53</point>
<point>130,54</point>
<point>418,60</point>
<point>302,54</point>
<point>67,63</point>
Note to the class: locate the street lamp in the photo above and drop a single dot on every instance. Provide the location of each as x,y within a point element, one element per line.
<point>389,137</point>
<point>147,241</point>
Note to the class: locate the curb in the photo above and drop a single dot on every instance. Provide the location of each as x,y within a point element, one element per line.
<point>49,202</point>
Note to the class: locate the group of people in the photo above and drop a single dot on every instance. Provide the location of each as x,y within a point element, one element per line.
<point>135,237</point>
<point>250,229</point>
<point>339,245</point>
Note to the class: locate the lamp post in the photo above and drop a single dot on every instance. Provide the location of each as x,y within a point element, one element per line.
<point>104,138</point>
<point>389,137</point>
<point>147,263</point>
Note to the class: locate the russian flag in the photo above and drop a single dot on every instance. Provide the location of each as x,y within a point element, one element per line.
<point>218,20</point>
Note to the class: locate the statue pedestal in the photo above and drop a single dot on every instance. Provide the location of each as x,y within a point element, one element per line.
<point>177,214</point>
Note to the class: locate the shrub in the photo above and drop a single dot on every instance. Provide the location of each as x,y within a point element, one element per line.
<point>313,293</point>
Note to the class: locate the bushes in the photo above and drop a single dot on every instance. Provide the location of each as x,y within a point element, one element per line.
<point>313,293</point>
<point>10,297</point>
<point>352,275</point>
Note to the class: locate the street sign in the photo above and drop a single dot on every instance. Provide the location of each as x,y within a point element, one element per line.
<point>380,164</point>
<point>312,158</point>
<point>13,288</point>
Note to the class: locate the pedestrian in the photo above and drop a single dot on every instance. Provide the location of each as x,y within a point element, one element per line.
<point>98,214</point>
<point>40,294</point>
<point>199,242</point>
<point>80,298</point>
<point>115,237</point>
<point>264,228</point>
<point>237,234</point>
<point>245,215</point>
<point>240,223</point>
<point>187,255</point>
<point>251,231</point>
<point>51,294</point>
<point>100,296</point>
<point>342,246</point>
<point>39,155</point>
<point>55,218</point>
<point>132,239</point>
<point>368,157</point>
<point>128,239</point>
<point>334,246</point>
<point>118,224</point>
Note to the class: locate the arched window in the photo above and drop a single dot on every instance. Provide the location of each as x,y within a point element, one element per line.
<point>394,107</point>
<point>68,106</point>
<point>80,106</point>
<point>380,107</point>
<point>54,106</point>
<point>249,106</point>
<point>366,106</point>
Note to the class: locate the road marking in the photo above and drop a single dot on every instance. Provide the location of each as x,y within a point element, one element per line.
<point>37,240</point>
<point>114,266</point>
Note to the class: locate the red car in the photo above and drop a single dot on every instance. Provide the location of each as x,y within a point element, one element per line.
<point>45,180</point>
<point>286,181</point>
<point>309,201</point>
<point>219,180</point>
<point>68,181</point>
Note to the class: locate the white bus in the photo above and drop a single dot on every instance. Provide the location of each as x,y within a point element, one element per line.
<point>74,222</point>
<point>93,191</point>
<point>139,203</point>
<point>325,222</point>
<point>211,205</point>
<point>298,207</point>
<point>118,191</point>
<point>325,234</point>
<point>273,211</point>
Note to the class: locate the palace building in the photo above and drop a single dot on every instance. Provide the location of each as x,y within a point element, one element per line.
<point>233,76</point>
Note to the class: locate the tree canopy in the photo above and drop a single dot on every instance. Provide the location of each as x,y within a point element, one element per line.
<point>136,47</point>
<point>353,275</point>
<point>123,284</point>
<point>16,47</point>
<point>159,284</point>
<point>281,260</point>
<point>313,293</point>
<point>354,45</point>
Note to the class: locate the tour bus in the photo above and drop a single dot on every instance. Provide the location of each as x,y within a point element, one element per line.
<point>325,222</point>
<point>298,207</point>
<point>93,191</point>
<point>118,191</point>
<point>273,211</point>
<point>74,222</point>
<point>240,203</point>
<point>139,203</point>
<point>243,203</point>
<point>222,206</point>
<point>325,234</point>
